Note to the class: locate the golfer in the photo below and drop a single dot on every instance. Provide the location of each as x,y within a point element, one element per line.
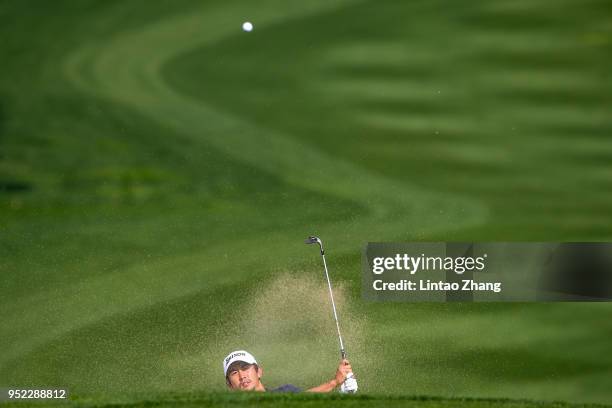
<point>242,372</point>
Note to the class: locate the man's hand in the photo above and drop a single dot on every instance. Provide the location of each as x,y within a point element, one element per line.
<point>343,370</point>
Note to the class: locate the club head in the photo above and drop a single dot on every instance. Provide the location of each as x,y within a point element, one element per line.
<point>313,240</point>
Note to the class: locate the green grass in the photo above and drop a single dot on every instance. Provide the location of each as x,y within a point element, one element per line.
<point>159,169</point>
<point>301,400</point>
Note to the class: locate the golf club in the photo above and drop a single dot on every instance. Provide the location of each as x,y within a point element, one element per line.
<point>350,384</point>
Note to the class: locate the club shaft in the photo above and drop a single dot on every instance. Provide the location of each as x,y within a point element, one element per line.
<point>331,295</point>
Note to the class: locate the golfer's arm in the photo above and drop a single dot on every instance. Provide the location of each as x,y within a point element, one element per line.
<point>325,387</point>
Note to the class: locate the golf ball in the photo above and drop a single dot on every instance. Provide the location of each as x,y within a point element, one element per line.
<point>247,26</point>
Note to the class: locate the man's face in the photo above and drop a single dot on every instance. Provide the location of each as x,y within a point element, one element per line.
<point>243,376</point>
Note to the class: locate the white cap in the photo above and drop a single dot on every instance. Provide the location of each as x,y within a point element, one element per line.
<point>238,355</point>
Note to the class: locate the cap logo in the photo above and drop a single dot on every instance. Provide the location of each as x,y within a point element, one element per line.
<point>232,356</point>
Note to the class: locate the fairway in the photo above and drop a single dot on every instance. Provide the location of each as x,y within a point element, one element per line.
<point>160,169</point>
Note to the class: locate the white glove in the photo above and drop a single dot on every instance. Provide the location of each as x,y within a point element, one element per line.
<point>349,386</point>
